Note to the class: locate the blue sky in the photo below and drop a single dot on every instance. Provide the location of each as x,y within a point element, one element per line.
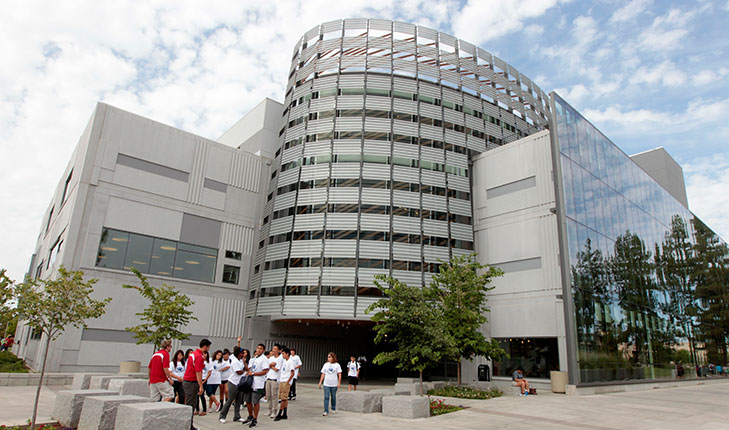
<point>647,73</point>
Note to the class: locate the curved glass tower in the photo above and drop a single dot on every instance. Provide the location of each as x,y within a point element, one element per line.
<point>373,171</point>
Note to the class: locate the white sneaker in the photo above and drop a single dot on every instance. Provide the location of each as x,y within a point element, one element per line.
<point>222,420</point>
<point>264,400</point>
<point>324,414</point>
<point>334,411</point>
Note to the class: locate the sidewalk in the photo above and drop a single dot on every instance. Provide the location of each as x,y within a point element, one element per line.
<point>696,407</point>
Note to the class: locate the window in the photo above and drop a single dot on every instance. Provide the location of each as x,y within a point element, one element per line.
<point>233,255</point>
<point>65,187</point>
<point>231,274</point>
<point>50,217</point>
<point>153,255</point>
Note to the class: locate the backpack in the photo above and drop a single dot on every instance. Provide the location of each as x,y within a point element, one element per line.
<point>246,383</point>
<point>532,391</point>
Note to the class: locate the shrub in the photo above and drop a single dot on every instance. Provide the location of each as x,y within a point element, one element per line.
<point>465,392</point>
<point>9,363</point>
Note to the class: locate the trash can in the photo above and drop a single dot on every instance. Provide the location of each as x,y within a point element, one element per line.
<point>484,373</point>
<point>129,367</point>
<point>559,381</point>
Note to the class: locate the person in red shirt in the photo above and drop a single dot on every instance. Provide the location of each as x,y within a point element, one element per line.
<point>159,374</point>
<point>192,382</point>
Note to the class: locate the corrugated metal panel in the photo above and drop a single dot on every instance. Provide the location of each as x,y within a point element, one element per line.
<point>346,148</point>
<point>348,124</point>
<point>406,224</point>
<point>433,202</point>
<point>338,276</point>
<point>226,318</point>
<point>430,177</point>
<point>236,237</point>
<point>406,251</point>
<point>197,173</point>
<point>375,171</point>
<point>405,174</point>
<point>281,225</point>
<point>303,276</point>
<point>292,154</point>
<point>273,278</point>
<point>363,303</point>
<point>374,222</point>
<point>306,248</point>
<point>337,221</point>
<point>284,201</point>
<point>300,305</point>
<point>343,195</point>
<point>312,196</point>
<point>405,106</point>
<point>458,183</point>
<point>340,248</point>
<point>309,222</point>
<point>382,103</point>
<point>413,279</point>
<point>336,306</point>
<point>377,124</point>
<point>460,207</point>
<point>431,254</point>
<point>245,172</point>
<point>373,196</point>
<point>405,127</point>
<point>269,305</point>
<point>350,102</point>
<point>376,81</point>
<point>457,252</point>
<point>405,84</point>
<point>406,198</point>
<point>318,105</point>
<point>287,177</point>
<point>461,231</point>
<point>435,228</point>
<point>345,170</point>
<point>406,150</point>
<point>376,148</point>
<point>351,81</point>
<point>374,249</point>
<point>277,251</point>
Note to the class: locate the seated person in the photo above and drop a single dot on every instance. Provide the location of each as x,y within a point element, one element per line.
<point>519,381</point>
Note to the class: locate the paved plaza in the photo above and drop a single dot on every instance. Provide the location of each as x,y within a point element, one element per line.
<point>699,407</point>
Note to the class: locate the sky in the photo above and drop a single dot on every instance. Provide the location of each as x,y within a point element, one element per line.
<point>647,73</point>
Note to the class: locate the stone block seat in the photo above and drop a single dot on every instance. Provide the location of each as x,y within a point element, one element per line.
<point>101,382</point>
<point>130,387</point>
<point>364,402</point>
<point>82,381</point>
<point>153,416</point>
<point>410,407</point>
<point>67,409</point>
<point>99,412</point>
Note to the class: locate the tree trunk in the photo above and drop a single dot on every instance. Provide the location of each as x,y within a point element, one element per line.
<point>40,383</point>
<point>421,383</point>
<point>459,371</point>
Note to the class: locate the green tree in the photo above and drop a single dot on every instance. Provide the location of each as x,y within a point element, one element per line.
<point>166,314</point>
<point>53,305</point>
<point>412,325</point>
<point>7,305</point>
<point>460,289</point>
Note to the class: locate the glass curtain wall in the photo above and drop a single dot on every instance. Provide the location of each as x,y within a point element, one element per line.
<point>650,282</point>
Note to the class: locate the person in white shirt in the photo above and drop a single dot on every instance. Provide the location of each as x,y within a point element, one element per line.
<point>285,377</point>
<point>238,366</point>
<point>258,367</point>
<point>177,371</point>
<point>224,375</point>
<point>274,361</point>
<point>353,373</point>
<point>331,376</point>
<point>212,369</point>
<point>297,365</point>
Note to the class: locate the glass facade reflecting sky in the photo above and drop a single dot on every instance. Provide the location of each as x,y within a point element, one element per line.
<point>648,279</point>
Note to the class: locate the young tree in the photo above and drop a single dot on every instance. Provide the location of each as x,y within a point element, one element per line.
<point>7,309</point>
<point>53,305</point>
<point>166,313</point>
<point>460,289</point>
<point>410,323</point>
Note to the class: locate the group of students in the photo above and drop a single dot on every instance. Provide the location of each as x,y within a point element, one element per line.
<point>243,379</point>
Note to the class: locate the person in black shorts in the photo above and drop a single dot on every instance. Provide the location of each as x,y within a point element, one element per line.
<point>353,373</point>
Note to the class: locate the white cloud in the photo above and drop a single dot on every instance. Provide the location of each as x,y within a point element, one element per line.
<point>630,11</point>
<point>707,182</point>
<point>706,77</point>
<point>666,32</point>
<point>666,73</point>
<point>483,20</point>
<point>574,95</point>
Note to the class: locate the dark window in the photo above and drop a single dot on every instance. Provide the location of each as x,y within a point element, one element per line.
<point>233,255</point>
<point>332,290</point>
<point>65,187</point>
<point>231,274</point>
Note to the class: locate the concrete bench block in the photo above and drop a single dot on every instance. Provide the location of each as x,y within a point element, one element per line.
<point>438,385</point>
<point>55,380</point>
<point>364,402</point>
<point>99,412</point>
<point>67,409</point>
<point>405,407</point>
<point>384,391</point>
<point>407,380</point>
<point>101,382</point>
<point>18,379</point>
<point>406,389</point>
<point>136,375</point>
<point>130,387</point>
<point>82,381</point>
<point>481,385</point>
<point>153,416</point>
<point>4,378</point>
